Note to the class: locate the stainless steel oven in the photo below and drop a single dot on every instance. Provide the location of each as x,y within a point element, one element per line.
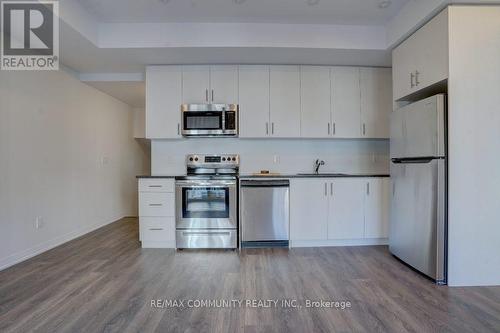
<point>206,204</point>
<point>209,120</point>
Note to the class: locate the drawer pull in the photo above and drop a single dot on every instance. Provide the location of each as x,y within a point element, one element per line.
<point>156,205</point>
<point>155,229</point>
<point>155,186</point>
<point>198,233</point>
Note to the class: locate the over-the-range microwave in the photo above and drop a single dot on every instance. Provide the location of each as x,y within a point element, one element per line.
<point>203,120</point>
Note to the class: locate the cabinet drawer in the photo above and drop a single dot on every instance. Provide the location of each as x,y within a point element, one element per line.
<point>156,204</point>
<point>157,229</point>
<point>156,185</point>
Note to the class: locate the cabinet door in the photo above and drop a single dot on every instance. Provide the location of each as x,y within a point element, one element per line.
<point>377,208</point>
<point>195,84</point>
<point>346,106</point>
<point>163,101</point>
<point>315,111</point>
<point>431,51</point>
<point>376,102</point>
<point>285,101</point>
<point>346,218</point>
<point>308,209</point>
<point>254,101</point>
<point>224,84</point>
<point>403,66</point>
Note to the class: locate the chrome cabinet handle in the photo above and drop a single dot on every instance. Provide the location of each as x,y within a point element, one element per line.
<point>178,129</point>
<point>272,128</point>
<point>326,189</point>
<point>206,95</point>
<point>411,80</point>
<point>328,128</point>
<point>212,95</point>
<point>334,128</point>
<point>155,186</point>
<point>155,205</point>
<point>155,229</point>
<point>367,188</point>
<point>331,189</point>
<point>416,78</point>
<point>364,129</point>
<point>267,128</point>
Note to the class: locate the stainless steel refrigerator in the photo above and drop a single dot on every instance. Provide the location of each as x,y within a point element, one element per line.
<point>418,220</point>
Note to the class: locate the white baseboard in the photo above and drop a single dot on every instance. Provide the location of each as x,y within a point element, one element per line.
<point>339,242</point>
<point>50,244</point>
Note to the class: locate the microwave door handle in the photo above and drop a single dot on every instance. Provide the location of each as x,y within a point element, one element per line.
<point>223,120</point>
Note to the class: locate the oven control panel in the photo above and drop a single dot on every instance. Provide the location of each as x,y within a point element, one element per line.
<point>213,160</point>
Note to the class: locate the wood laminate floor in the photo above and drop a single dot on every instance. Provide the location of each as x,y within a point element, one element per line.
<point>104,282</point>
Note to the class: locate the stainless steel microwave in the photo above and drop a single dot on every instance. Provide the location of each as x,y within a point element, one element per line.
<point>209,119</point>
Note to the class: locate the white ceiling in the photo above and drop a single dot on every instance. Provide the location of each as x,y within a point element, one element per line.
<point>349,12</point>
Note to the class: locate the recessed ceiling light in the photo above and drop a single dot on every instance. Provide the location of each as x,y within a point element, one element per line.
<point>239,2</point>
<point>312,2</point>
<point>384,4</point>
<point>164,1</point>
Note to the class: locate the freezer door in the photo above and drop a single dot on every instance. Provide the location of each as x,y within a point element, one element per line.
<point>418,129</point>
<point>417,232</point>
<point>264,213</point>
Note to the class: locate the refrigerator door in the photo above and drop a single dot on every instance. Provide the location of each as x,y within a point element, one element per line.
<point>418,228</point>
<point>418,129</point>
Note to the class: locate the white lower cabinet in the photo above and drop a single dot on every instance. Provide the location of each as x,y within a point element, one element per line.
<point>308,209</point>
<point>157,213</point>
<point>345,210</point>
<point>338,211</point>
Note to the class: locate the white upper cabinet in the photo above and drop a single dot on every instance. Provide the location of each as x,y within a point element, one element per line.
<point>195,84</point>
<point>315,99</point>
<point>308,209</point>
<point>346,216</point>
<point>376,102</point>
<point>422,59</point>
<point>377,208</point>
<point>163,100</point>
<point>254,101</point>
<point>346,102</point>
<point>285,101</point>
<point>224,84</point>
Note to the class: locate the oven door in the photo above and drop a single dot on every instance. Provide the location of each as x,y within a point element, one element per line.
<point>205,204</point>
<point>202,123</point>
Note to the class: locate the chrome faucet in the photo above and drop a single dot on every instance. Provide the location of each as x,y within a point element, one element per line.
<point>317,164</point>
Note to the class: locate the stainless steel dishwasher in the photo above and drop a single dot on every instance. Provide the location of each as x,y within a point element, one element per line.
<point>264,213</point>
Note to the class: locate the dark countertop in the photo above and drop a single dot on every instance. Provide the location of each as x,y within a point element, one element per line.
<point>325,175</point>
<point>155,177</point>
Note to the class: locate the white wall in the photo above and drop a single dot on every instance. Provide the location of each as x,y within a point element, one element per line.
<point>67,155</point>
<point>293,156</point>
<point>474,135</point>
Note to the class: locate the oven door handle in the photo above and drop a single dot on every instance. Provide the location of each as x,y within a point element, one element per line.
<point>204,184</point>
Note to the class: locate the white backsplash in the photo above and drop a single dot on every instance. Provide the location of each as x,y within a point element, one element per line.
<point>288,156</point>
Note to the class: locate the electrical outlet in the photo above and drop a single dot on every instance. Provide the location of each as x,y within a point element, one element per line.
<point>276,159</point>
<point>38,222</point>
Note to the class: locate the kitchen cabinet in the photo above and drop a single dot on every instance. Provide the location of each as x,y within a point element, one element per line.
<point>157,213</point>
<point>224,84</point>
<point>284,95</point>
<point>377,208</point>
<point>308,209</point>
<point>338,209</point>
<point>195,84</point>
<point>346,102</point>
<point>254,101</point>
<point>345,211</point>
<point>315,99</point>
<point>376,102</point>
<point>210,84</point>
<point>163,100</point>
<point>422,59</point>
